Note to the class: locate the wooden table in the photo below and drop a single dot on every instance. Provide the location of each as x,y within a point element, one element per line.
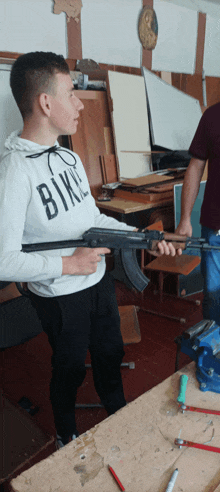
<point>128,206</point>
<point>130,211</point>
<point>138,442</point>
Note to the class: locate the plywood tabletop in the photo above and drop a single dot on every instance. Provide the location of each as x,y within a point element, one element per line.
<point>138,443</point>
<point>128,206</point>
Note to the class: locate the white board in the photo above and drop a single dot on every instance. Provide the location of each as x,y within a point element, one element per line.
<point>109,31</point>
<point>175,51</point>
<point>30,25</point>
<point>211,63</point>
<point>130,124</point>
<point>10,117</point>
<point>210,7</point>
<point>133,165</point>
<point>174,116</point>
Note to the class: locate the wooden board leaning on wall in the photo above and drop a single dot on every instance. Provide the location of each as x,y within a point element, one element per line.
<point>94,136</point>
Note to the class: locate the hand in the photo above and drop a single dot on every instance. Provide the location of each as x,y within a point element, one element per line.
<point>167,249</point>
<point>84,261</point>
<point>184,228</point>
<point>164,248</point>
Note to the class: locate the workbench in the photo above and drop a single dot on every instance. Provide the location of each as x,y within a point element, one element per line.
<point>139,214</point>
<point>138,443</point>
<point>125,207</point>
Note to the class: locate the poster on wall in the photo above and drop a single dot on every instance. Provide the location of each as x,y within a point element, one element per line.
<point>27,25</point>
<point>11,119</point>
<point>109,31</point>
<point>211,62</point>
<point>177,37</point>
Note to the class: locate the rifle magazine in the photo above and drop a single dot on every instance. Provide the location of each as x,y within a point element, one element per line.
<point>132,269</point>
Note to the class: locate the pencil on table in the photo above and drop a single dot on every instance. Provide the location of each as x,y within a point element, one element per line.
<point>116,478</point>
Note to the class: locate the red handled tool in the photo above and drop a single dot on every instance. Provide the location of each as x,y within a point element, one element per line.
<point>190,444</point>
<point>185,408</point>
<point>181,399</point>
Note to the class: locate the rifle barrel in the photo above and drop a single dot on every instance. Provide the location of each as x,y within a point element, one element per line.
<point>203,245</point>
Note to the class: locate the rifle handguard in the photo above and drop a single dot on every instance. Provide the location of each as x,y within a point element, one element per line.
<point>179,242</point>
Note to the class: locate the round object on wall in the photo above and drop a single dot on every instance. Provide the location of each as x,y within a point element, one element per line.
<point>86,65</point>
<point>148,28</point>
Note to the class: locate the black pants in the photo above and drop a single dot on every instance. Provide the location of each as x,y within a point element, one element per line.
<point>74,323</point>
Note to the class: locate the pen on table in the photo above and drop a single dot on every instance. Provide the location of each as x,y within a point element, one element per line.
<point>116,478</point>
<point>172,481</point>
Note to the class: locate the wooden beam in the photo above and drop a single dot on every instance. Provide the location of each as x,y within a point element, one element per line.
<point>200,42</point>
<point>74,39</point>
<point>8,57</point>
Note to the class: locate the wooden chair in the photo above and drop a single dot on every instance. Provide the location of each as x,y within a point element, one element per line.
<point>19,433</point>
<point>18,319</point>
<point>164,265</point>
<point>18,324</point>
<point>129,324</point>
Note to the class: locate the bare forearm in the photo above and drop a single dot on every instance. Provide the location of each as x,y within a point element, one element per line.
<point>191,187</point>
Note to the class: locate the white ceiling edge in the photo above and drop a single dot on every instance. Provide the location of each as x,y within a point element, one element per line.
<point>210,7</point>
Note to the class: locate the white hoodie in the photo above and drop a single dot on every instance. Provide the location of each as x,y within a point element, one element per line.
<point>43,198</point>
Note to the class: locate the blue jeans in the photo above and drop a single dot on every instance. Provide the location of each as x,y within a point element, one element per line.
<point>210,268</point>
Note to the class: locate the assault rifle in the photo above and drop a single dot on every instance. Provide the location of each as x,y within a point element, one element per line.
<point>125,243</point>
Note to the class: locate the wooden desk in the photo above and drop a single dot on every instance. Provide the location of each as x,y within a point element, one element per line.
<point>138,442</point>
<point>141,214</point>
<point>128,206</point>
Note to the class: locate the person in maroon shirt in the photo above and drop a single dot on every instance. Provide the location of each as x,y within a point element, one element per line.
<point>205,146</point>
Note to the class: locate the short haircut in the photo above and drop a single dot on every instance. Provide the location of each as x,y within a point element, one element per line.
<point>32,74</point>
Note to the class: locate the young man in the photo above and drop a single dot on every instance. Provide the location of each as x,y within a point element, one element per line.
<point>45,196</point>
<point>205,146</point>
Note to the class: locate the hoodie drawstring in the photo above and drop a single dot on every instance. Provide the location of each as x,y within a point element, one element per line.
<point>54,150</point>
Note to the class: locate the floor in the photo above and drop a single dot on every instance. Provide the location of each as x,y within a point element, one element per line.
<point>25,369</point>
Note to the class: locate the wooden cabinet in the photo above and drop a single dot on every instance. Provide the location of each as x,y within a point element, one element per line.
<point>93,138</point>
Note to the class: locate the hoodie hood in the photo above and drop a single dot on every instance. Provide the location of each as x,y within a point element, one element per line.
<point>34,150</point>
<point>15,142</point>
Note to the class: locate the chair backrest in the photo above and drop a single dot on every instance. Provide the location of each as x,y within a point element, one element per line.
<point>130,329</point>
<point>4,284</point>
<point>157,226</point>
<point>8,291</point>
<point>18,319</point>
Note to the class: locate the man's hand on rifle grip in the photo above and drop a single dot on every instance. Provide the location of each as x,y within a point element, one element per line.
<point>84,261</point>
